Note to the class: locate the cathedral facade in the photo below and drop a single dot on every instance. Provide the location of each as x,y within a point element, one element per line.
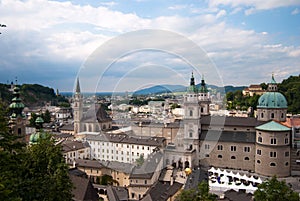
<point>261,144</point>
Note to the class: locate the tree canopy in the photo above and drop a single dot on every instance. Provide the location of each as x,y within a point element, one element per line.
<point>272,189</point>
<point>199,194</point>
<point>37,172</point>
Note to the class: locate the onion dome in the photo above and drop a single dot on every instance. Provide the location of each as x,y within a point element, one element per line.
<point>192,87</point>
<point>272,98</point>
<point>39,134</point>
<point>203,88</point>
<point>16,106</point>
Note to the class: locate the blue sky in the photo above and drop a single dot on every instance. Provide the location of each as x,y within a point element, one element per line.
<point>50,42</point>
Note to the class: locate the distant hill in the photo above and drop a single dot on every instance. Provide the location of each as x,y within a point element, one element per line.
<point>159,89</point>
<point>33,95</point>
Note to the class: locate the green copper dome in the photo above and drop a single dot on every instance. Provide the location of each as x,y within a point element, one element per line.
<point>40,134</point>
<point>272,100</point>
<point>35,137</point>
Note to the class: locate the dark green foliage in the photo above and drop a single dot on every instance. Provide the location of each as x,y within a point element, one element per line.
<point>272,189</point>
<point>33,117</point>
<point>31,173</point>
<point>45,174</point>
<point>290,88</point>
<point>106,180</point>
<point>236,100</point>
<point>175,105</point>
<point>199,194</point>
<point>46,116</point>
<point>139,161</point>
<point>33,95</point>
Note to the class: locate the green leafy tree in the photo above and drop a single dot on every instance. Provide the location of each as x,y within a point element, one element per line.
<point>199,194</point>
<point>11,158</point>
<point>31,173</point>
<point>45,174</point>
<point>46,116</point>
<point>272,189</point>
<point>107,180</point>
<point>139,161</point>
<point>32,119</point>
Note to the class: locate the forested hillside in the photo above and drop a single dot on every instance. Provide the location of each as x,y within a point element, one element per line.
<point>33,95</point>
<point>290,88</point>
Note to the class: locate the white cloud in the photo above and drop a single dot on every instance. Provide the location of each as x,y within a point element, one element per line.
<point>177,7</point>
<point>221,13</point>
<point>254,4</point>
<point>295,11</point>
<point>50,31</point>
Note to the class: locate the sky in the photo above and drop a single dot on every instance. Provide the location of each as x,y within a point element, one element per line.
<point>128,45</point>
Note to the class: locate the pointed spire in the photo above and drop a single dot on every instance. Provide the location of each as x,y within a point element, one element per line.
<point>273,80</point>
<point>192,83</point>
<point>192,87</point>
<point>203,88</point>
<point>272,86</point>
<point>77,86</point>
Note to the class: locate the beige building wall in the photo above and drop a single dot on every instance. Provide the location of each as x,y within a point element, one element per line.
<point>227,155</point>
<point>264,114</point>
<point>273,153</point>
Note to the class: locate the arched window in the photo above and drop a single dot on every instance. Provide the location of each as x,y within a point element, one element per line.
<point>259,139</point>
<point>287,164</point>
<point>191,113</point>
<point>273,141</point>
<point>272,164</point>
<point>272,115</point>
<point>246,158</point>
<point>233,157</point>
<point>220,156</point>
<point>258,161</point>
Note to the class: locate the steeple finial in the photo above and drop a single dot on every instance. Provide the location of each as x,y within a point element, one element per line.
<point>192,83</point>
<point>77,86</point>
<point>192,87</point>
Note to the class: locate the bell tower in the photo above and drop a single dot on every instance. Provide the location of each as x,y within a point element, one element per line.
<point>17,119</point>
<point>204,98</point>
<point>77,108</point>
<point>191,118</point>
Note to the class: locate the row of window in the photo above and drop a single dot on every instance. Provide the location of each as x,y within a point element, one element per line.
<point>232,148</point>
<point>121,145</point>
<point>273,140</point>
<point>232,157</point>
<point>118,152</point>
<point>272,164</point>
<point>273,154</point>
<point>272,115</point>
<point>114,158</point>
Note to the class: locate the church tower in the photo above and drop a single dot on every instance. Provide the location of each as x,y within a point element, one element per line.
<point>191,118</point>
<point>204,98</point>
<point>17,119</point>
<point>272,105</point>
<point>272,138</point>
<point>77,108</point>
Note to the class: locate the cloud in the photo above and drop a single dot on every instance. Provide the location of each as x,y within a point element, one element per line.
<point>55,35</point>
<point>221,13</point>
<point>177,7</point>
<point>295,11</point>
<point>253,5</point>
